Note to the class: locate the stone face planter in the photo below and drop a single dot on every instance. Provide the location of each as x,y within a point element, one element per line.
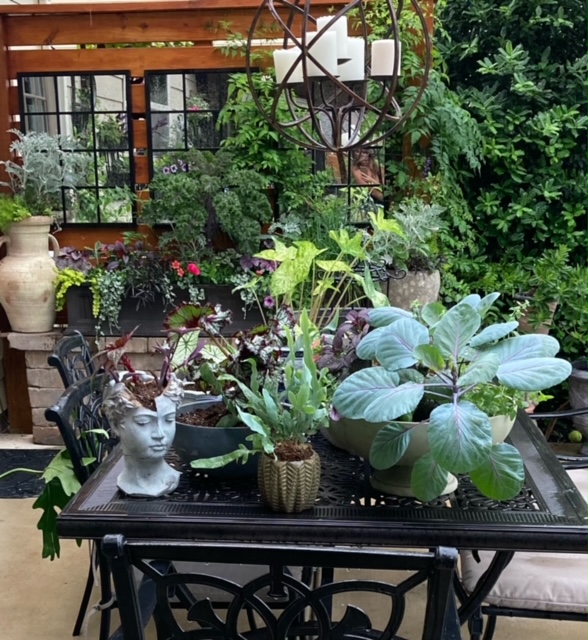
<point>193,442</point>
<point>150,316</point>
<point>289,487</point>
<point>27,292</point>
<point>145,437</point>
<point>356,436</point>
<point>417,286</point>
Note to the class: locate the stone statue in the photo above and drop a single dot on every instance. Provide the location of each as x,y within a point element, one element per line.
<point>145,437</point>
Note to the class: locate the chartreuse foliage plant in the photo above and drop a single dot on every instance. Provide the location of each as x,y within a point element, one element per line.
<point>437,358</point>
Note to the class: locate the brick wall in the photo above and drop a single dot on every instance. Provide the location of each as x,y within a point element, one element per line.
<point>44,384</point>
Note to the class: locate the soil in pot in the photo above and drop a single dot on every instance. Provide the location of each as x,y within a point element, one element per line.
<point>198,436</point>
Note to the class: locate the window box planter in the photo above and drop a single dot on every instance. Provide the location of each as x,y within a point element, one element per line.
<point>149,317</point>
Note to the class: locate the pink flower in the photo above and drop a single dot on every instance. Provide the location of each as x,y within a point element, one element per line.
<point>176,265</point>
<point>180,272</point>
<point>193,269</point>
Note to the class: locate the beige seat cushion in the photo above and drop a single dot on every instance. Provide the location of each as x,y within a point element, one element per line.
<point>541,581</point>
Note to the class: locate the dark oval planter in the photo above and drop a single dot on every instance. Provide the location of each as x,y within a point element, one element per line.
<point>149,317</point>
<point>193,442</point>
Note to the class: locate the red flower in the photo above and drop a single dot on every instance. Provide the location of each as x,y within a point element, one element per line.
<point>193,269</point>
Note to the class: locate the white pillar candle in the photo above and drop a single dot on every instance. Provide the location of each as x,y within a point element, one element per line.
<point>354,69</point>
<point>340,29</point>
<point>284,60</point>
<point>324,50</point>
<point>383,55</point>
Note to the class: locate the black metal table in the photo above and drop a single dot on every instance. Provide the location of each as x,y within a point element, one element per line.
<point>548,515</point>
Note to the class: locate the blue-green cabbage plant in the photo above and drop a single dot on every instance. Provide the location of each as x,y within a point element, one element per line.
<point>437,357</point>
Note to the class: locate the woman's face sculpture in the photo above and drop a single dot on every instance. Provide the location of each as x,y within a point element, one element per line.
<point>148,434</point>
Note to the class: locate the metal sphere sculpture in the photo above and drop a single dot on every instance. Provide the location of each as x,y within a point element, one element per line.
<point>334,92</point>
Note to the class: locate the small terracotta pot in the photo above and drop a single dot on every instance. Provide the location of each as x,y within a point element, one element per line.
<point>289,486</point>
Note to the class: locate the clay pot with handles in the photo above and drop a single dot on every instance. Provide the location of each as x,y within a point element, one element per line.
<point>27,274</point>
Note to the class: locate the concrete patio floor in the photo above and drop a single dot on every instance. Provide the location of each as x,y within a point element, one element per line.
<point>39,599</point>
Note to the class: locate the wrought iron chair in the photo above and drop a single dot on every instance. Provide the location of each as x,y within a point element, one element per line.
<point>78,416</point>
<point>72,358</point>
<point>533,585</point>
<point>302,611</point>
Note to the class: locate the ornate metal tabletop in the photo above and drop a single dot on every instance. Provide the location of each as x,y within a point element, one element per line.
<point>548,514</point>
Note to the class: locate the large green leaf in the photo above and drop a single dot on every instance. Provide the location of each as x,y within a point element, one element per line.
<point>455,329</point>
<point>366,349</point>
<point>349,245</point>
<point>533,374</point>
<point>525,347</point>
<point>460,436</point>
<point>387,315</point>
<point>493,332</point>
<point>333,266</point>
<point>373,293</point>
<point>486,303</point>
<point>61,468</point>
<point>432,312</point>
<point>480,370</point>
<point>372,394</point>
<point>430,356</point>
<point>395,350</point>
<point>428,478</point>
<point>473,300</point>
<point>389,445</point>
<point>279,253</point>
<point>502,474</point>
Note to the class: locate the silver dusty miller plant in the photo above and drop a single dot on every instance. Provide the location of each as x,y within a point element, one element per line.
<point>47,164</point>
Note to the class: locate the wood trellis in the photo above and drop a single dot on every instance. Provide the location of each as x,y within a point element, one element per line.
<point>68,39</point>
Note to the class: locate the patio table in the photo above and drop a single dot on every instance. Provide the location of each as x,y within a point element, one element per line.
<point>549,514</point>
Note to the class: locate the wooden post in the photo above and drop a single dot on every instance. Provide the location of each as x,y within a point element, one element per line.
<point>4,103</point>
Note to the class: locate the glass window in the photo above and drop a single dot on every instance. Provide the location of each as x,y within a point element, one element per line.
<point>92,110</point>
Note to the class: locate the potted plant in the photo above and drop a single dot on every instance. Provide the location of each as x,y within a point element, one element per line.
<point>115,287</point>
<point>432,370</point>
<point>208,424</point>
<point>282,414</point>
<point>302,279</point>
<point>46,165</point>
<point>408,242</point>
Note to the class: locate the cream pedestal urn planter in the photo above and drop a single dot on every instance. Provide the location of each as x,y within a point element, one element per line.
<point>356,436</point>
<point>27,292</point>
<point>416,286</point>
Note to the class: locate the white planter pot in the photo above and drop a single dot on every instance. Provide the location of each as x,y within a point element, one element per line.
<point>356,436</point>
<point>27,273</point>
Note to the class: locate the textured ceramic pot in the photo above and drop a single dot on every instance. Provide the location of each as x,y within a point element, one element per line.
<point>193,442</point>
<point>356,436</point>
<point>417,286</point>
<point>289,486</point>
<point>27,273</point>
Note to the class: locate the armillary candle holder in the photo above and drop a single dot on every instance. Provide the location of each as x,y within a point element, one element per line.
<point>334,92</point>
